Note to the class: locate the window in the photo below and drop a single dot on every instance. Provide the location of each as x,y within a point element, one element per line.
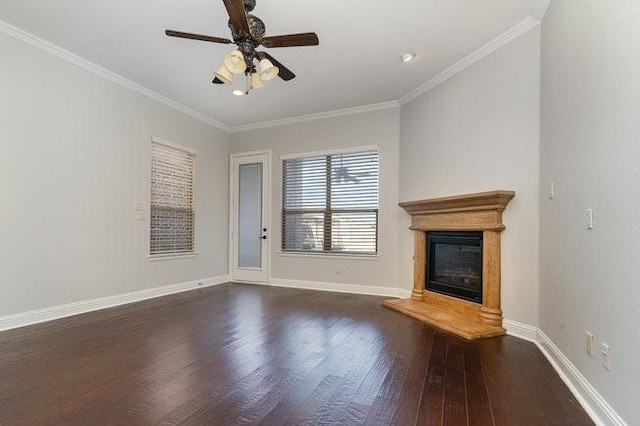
<point>330,203</point>
<point>172,199</point>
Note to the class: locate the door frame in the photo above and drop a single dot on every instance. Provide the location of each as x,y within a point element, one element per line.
<point>266,205</point>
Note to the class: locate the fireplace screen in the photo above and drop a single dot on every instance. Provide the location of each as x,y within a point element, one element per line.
<point>454,264</point>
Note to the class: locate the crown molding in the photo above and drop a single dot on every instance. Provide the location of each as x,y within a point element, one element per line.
<point>541,9</point>
<point>61,53</point>
<point>511,34</point>
<point>318,116</point>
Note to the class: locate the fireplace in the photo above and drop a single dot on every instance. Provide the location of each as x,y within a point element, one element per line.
<point>454,264</point>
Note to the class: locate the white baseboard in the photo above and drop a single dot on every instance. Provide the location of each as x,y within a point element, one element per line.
<point>521,330</point>
<point>593,403</point>
<point>341,288</point>
<point>56,312</point>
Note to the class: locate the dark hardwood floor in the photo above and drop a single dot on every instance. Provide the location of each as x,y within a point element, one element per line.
<point>241,354</point>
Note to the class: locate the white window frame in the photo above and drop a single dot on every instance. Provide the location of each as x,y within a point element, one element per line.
<point>328,254</point>
<point>181,255</point>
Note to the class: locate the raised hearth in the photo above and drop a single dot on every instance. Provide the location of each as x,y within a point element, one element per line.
<point>462,213</point>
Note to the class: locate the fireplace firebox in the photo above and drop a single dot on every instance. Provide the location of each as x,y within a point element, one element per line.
<point>454,264</point>
<point>479,213</point>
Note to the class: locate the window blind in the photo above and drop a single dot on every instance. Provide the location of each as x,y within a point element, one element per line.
<point>330,203</point>
<point>172,200</point>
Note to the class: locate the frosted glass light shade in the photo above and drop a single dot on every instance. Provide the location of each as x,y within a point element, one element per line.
<point>267,70</point>
<point>235,63</point>
<point>224,75</point>
<point>256,82</point>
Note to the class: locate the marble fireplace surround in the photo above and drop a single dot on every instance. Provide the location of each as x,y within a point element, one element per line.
<point>469,212</point>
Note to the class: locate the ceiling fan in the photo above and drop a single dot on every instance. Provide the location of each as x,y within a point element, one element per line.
<point>248,31</point>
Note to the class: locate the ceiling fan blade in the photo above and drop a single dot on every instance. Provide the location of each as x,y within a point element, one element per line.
<point>284,73</point>
<point>237,15</point>
<point>201,37</point>
<point>289,40</point>
<point>216,80</point>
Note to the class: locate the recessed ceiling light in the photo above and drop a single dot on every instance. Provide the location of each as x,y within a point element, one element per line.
<point>408,57</point>
<point>238,92</point>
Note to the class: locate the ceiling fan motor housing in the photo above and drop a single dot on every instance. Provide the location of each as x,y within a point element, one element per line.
<point>249,5</point>
<point>248,33</point>
<point>257,29</point>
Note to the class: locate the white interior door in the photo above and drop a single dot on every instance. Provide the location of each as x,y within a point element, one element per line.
<point>249,219</point>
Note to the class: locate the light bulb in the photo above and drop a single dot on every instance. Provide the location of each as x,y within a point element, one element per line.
<point>408,57</point>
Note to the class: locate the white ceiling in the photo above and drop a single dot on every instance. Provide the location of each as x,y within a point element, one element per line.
<point>356,63</point>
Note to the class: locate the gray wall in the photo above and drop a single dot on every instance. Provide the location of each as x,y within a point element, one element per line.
<point>373,128</point>
<point>479,131</point>
<point>75,156</point>
<point>76,150</point>
<point>590,149</point>
<point>484,121</point>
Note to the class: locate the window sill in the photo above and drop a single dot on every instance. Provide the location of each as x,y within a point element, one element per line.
<point>163,257</point>
<point>332,256</point>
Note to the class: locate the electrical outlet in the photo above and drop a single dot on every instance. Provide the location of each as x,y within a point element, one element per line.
<point>589,218</point>
<point>589,343</point>
<point>605,356</point>
<point>200,284</point>
<point>338,270</point>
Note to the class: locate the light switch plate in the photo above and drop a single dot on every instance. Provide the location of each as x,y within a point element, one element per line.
<point>589,218</point>
<point>589,343</point>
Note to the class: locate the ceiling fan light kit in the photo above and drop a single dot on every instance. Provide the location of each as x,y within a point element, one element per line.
<point>224,75</point>
<point>256,81</point>
<point>235,63</point>
<point>248,32</point>
<point>267,70</point>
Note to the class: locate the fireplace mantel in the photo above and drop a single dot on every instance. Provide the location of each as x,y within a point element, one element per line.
<point>469,212</point>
